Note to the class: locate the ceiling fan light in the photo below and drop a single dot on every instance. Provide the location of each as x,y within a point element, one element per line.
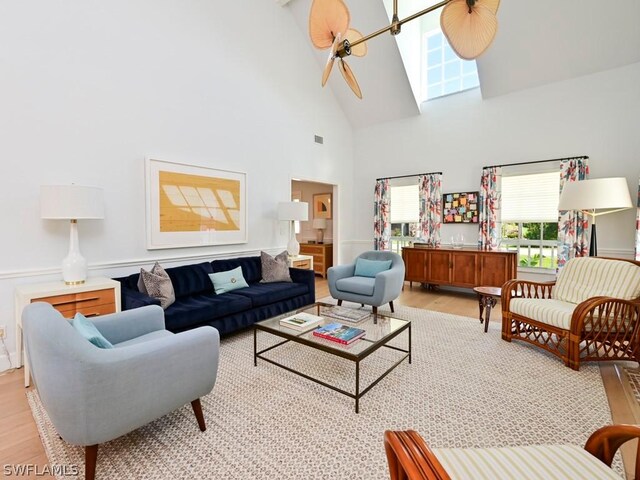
<point>469,33</point>
<point>327,19</point>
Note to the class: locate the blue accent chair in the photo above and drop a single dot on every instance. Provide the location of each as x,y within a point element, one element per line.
<point>344,285</point>
<point>94,395</point>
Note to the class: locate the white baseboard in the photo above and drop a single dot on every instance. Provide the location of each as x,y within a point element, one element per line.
<point>4,361</point>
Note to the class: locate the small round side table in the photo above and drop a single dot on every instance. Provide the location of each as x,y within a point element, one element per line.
<point>487,299</point>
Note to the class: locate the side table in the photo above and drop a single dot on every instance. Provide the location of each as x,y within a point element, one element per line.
<point>96,296</point>
<point>487,299</point>
<point>301,261</point>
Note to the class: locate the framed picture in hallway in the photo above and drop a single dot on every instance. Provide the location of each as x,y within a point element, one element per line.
<point>322,206</point>
<point>460,207</point>
<point>194,206</point>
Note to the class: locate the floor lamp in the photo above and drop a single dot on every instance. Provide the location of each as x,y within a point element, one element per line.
<point>596,197</point>
<point>293,212</point>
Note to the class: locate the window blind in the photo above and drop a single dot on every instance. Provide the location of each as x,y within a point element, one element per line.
<point>530,198</point>
<point>404,204</point>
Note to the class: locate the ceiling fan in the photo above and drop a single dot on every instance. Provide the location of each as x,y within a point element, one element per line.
<point>469,25</point>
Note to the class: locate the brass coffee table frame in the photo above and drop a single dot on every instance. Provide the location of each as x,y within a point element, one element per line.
<point>297,337</point>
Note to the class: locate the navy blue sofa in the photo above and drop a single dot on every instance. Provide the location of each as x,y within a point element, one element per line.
<point>197,303</point>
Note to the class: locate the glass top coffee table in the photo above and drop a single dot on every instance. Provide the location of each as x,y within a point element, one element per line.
<point>380,330</point>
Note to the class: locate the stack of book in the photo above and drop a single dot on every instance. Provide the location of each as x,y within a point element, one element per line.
<point>336,332</point>
<point>301,321</point>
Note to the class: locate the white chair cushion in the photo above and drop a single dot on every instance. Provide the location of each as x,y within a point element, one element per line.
<point>586,277</point>
<point>546,310</point>
<point>536,462</point>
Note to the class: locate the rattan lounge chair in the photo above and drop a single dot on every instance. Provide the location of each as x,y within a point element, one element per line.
<point>591,312</point>
<point>410,458</point>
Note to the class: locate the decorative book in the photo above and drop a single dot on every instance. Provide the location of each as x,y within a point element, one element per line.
<point>339,333</point>
<point>301,321</point>
<point>347,314</point>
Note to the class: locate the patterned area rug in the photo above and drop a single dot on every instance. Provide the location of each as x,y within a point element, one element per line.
<point>464,388</point>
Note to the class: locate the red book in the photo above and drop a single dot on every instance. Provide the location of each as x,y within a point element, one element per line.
<point>339,333</point>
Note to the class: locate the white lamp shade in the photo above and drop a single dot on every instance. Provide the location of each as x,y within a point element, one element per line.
<point>293,211</point>
<point>71,202</point>
<point>595,194</point>
<point>320,223</point>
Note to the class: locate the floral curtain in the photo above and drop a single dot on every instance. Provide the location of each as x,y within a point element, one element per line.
<point>489,208</point>
<point>638,226</point>
<point>430,192</point>
<point>573,240</point>
<point>381,213</point>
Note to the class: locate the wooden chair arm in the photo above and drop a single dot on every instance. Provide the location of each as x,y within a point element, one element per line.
<point>410,458</point>
<point>524,289</point>
<point>616,311</point>
<point>604,443</point>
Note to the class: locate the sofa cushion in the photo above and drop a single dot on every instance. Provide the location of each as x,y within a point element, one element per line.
<point>191,279</point>
<point>228,281</point>
<point>358,285</point>
<point>268,293</point>
<point>89,331</point>
<point>535,462</point>
<point>158,285</point>
<point>586,277</point>
<point>251,267</point>
<point>370,268</point>
<point>546,310</point>
<point>197,309</point>
<point>274,269</point>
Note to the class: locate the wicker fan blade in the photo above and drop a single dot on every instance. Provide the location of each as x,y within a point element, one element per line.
<point>327,19</point>
<point>490,4</point>
<point>350,78</point>
<point>468,33</point>
<point>359,50</point>
<point>327,70</point>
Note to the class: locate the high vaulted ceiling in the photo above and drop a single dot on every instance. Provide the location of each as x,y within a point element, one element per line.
<point>538,42</point>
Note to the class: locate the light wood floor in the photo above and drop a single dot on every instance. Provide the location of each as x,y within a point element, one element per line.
<point>20,444</point>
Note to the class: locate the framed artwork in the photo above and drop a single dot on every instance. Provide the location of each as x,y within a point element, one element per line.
<point>460,207</point>
<point>322,206</point>
<point>194,206</point>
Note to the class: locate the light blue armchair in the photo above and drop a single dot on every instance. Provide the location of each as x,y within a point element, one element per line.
<point>375,291</point>
<point>94,395</point>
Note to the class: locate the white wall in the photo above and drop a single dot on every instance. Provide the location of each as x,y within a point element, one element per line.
<point>89,88</point>
<point>595,115</point>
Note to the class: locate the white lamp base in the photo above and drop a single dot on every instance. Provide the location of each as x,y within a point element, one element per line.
<point>74,266</point>
<point>293,247</point>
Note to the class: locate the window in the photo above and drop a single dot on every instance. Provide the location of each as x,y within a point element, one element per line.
<point>444,72</point>
<point>404,215</point>
<point>530,217</point>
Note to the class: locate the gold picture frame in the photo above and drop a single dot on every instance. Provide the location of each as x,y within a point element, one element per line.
<point>194,206</point>
<point>323,206</point>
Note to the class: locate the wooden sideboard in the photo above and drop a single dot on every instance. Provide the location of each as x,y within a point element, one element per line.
<point>459,267</point>
<point>322,256</point>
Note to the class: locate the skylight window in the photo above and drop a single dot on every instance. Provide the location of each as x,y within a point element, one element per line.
<point>443,72</point>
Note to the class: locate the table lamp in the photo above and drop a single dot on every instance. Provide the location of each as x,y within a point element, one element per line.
<point>320,224</point>
<point>72,202</point>
<point>596,197</point>
<point>293,212</point>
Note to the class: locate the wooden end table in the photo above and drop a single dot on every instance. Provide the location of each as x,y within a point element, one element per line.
<point>487,299</point>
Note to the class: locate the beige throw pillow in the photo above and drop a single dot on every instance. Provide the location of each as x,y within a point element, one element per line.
<point>157,284</point>
<point>274,269</point>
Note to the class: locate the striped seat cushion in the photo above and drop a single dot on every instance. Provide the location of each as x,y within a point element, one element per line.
<point>545,310</point>
<point>536,462</point>
<point>586,277</point>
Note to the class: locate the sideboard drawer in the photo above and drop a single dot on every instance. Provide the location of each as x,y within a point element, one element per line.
<point>93,303</point>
